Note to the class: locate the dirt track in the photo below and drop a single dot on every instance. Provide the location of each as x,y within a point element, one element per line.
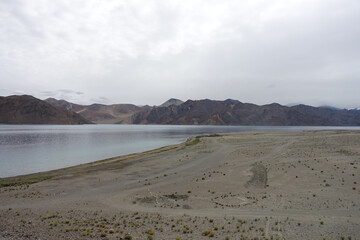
<point>194,192</point>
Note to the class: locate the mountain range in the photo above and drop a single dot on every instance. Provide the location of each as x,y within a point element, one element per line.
<point>27,109</point>
<point>233,112</point>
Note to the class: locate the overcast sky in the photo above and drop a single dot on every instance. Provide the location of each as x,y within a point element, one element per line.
<point>146,51</point>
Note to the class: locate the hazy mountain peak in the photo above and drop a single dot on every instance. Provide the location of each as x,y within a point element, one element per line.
<point>330,107</point>
<point>231,101</point>
<point>273,105</point>
<point>172,101</point>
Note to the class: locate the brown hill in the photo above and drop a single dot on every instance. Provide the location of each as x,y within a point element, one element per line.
<point>99,113</point>
<point>30,110</point>
<point>232,112</point>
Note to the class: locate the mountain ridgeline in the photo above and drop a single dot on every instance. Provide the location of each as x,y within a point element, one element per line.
<point>233,112</point>
<point>27,109</point>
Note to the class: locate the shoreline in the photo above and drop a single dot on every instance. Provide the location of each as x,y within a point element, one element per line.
<point>44,175</point>
<point>55,172</point>
<point>280,185</point>
<point>84,167</point>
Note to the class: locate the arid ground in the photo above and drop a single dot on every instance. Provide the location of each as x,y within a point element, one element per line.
<point>253,185</point>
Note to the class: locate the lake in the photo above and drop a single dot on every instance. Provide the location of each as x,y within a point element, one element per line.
<point>28,149</point>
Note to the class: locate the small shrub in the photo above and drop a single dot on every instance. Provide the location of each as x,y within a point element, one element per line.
<point>128,237</point>
<point>206,232</point>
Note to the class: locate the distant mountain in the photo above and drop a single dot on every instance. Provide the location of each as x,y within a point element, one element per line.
<point>233,112</point>
<point>171,101</point>
<point>30,110</point>
<point>99,113</point>
<point>332,116</point>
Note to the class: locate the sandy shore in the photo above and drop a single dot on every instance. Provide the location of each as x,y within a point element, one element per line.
<point>254,185</point>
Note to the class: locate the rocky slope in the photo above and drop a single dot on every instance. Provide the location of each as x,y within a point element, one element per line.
<point>30,110</point>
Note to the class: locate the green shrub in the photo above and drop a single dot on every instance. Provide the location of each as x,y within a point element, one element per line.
<point>192,142</point>
<point>128,237</point>
<point>208,233</point>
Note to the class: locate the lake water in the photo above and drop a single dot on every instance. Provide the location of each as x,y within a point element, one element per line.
<point>34,148</point>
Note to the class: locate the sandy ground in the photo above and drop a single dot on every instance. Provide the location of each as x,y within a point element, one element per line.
<point>254,185</point>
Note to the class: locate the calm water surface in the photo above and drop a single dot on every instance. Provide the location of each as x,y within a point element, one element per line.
<point>33,148</point>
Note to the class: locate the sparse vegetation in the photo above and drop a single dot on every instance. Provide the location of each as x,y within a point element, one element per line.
<point>192,142</point>
<point>19,181</point>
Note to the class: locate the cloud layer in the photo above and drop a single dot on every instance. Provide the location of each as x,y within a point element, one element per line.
<point>147,51</point>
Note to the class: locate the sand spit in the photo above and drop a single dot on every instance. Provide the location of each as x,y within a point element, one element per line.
<point>254,185</point>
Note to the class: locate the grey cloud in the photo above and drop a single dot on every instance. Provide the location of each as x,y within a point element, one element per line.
<point>48,93</point>
<point>101,100</point>
<point>148,51</point>
<point>66,91</point>
<point>19,92</point>
<point>66,94</point>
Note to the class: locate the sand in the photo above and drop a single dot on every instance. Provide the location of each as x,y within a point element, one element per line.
<point>252,185</point>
